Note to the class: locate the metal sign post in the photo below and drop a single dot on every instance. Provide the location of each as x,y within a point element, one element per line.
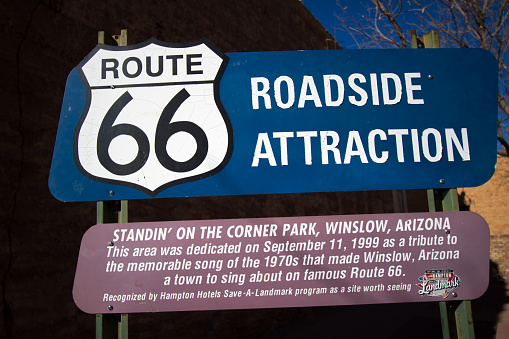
<point>112,325</point>
<point>457,321</point>
<point>148,121</point>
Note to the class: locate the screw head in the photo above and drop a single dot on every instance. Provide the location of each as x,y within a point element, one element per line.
<point>442,181</point>
<point>430,76</point>
<point>454,294</point>
<point>110,243</point>
<point>110,307</point>
<point>112,193</point>
<point>447,231</point>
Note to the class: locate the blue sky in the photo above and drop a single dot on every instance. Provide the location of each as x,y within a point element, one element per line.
<point>325,11</point>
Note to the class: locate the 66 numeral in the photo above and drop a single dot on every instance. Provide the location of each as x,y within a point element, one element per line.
<point>165,129</point>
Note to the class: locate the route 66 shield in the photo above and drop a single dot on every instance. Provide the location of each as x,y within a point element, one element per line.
<point>153,117</point>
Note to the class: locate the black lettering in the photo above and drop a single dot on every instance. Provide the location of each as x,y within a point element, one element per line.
<point>149,67</point>
<point>174,58</point>
<point>196,63</point>
<point>113,68</point>
<point>138,65</point>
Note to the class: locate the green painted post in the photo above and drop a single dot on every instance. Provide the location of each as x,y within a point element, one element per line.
<point>112,326</point>
<point>457,321</point>
<point>106,326</point>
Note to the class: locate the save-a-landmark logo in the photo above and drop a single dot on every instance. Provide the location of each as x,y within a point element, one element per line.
<point>435,283</point>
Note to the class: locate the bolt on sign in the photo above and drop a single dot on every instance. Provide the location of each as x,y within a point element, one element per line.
<point>282,262</point>
<point>160,120</point>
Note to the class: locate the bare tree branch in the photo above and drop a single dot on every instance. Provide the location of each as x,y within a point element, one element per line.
<point>392,19</point>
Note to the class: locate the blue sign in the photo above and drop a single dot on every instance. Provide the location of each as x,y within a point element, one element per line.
<point>160,120</point>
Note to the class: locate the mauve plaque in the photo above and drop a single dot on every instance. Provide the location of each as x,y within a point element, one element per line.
<point>282,262</point>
